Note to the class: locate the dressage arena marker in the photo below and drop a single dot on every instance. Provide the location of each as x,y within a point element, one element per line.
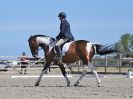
<point>130,73</point>
<point>36,76</point>
<point>51,76</point>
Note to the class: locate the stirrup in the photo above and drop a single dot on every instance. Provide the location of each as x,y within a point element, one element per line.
<point>58,59</point>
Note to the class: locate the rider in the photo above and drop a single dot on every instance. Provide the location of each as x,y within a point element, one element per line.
<point>64,35</point>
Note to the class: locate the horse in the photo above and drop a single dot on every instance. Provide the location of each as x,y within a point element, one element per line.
<point>77,50</point>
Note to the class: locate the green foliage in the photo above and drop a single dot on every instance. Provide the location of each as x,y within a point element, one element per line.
<point>125,44</point>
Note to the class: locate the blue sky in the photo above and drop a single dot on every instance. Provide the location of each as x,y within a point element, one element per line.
<point>99,21</point>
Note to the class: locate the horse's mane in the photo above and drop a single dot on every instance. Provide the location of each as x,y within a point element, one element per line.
<point>40,35</point>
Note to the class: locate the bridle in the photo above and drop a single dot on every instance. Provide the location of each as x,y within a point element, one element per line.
<point>35,49</point>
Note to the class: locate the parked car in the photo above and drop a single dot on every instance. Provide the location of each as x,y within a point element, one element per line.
<point>3,66</point>
<point>127,61</point>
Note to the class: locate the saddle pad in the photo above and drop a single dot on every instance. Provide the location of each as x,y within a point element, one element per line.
<point>66,47</point>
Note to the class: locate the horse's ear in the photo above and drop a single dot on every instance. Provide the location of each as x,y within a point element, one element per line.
<point>30,38</point>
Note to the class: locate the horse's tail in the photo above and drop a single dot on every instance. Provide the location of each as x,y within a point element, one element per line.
<point>105,49</point>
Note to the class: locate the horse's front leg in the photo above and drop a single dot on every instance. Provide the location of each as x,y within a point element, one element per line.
<point>64,73</point>
<point>42,72</point>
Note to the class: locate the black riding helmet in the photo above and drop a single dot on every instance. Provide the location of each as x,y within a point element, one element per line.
<point>62,14</point>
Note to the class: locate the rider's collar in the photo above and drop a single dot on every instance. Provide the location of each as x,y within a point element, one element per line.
<point>63,19</point>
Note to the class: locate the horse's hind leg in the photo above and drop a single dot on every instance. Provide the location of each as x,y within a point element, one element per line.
<point>80,78</point>
<point>64,73</point>
<point>42,72</point>
<point>97,77</point>
<point>90,66</point>
<point>95,73</point>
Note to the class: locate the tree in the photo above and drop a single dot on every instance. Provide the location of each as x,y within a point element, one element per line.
<point>130,44</point>
<point>125,44</point>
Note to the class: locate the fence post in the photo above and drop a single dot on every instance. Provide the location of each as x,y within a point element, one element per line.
<point>106,63</point>
<point>120,63</point>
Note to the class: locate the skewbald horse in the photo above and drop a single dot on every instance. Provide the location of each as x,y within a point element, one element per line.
<point>78,50</point>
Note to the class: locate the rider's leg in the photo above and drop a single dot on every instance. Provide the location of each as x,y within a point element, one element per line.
<point>58,49</point>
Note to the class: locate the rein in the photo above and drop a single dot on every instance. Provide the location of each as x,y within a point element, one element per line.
<point>39,49</point>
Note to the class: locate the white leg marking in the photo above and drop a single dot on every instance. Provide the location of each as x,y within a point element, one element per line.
<point>68,81</point>
<point>95,73</point>
<point>40,77</point>
<point>80,78</point>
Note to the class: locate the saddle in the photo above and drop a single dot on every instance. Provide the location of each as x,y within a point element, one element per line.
<point>67,44</point>
<point>64,47</point>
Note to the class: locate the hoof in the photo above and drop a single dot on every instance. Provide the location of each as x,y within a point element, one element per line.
<point>76,84</point>
<point>36,84</point>
<point>68,85</point>
<point>99,85</point>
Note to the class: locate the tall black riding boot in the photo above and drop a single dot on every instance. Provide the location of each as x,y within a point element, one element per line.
<point>58,52</point>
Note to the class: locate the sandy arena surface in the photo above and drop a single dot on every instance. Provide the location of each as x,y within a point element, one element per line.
<point>113,87</point>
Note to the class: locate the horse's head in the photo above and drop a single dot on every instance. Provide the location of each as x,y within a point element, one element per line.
<point>38,40</point>
<point>34,46</point>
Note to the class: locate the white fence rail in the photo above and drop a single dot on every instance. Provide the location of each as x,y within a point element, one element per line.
<point>98,62</point>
